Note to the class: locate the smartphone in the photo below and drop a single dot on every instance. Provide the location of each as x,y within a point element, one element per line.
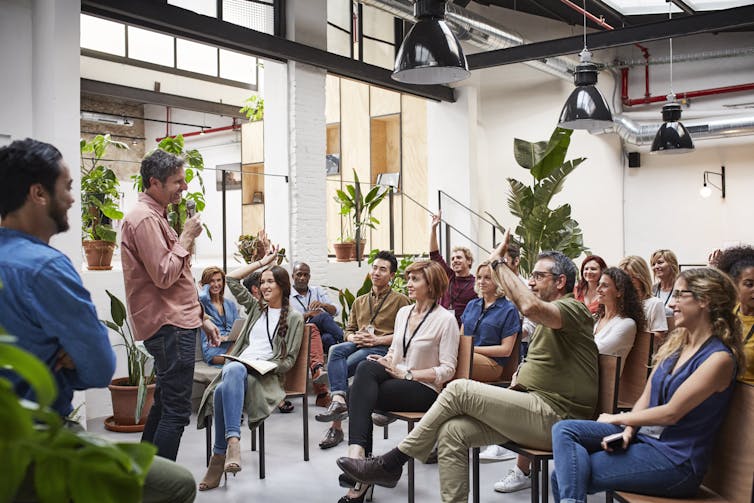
<point>614,441</point>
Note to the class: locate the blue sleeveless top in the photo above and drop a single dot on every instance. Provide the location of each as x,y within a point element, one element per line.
<point>693,436</point>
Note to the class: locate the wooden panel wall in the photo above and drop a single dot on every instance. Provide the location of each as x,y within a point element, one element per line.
<point>414,183</point>
<point>252,157</point>
<point>354,132</point>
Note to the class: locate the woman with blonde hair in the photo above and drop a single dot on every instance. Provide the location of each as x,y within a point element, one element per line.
<point>221,311</point>
<point>663,446</point>
<point>654,310</point>
<point>665,268</point>
<point>421,358</point>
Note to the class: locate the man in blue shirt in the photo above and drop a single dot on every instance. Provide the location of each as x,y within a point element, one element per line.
<point>43,301</point>
<point>316,306</point>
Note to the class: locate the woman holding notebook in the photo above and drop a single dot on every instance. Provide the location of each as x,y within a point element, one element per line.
<point>272,334</point>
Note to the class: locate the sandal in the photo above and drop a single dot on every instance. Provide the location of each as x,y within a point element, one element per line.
<point>285,407</point>
<point>215,472</point>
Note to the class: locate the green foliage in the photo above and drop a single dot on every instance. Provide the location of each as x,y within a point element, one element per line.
<point>253,108</point>
<point>541,228</point>
<point>193,167</point>
<point>58,463</point>
<point>100,192</point>
<point>358,208</point>
<point>138,357</point>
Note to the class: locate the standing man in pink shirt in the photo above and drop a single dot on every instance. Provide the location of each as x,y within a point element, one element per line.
<point>163,303</point>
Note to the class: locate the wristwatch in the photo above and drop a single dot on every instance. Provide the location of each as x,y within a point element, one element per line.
<point>497,262</point>
<point>409,376</point>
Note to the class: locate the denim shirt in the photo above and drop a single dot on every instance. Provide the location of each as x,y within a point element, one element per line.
<point>44,304</point>
<point>489,328</point>
<point>223,323</point>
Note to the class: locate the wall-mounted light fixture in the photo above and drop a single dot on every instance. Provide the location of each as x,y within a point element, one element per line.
<point>114,120</point>
<point>430,53</point>
<point>705,191</point>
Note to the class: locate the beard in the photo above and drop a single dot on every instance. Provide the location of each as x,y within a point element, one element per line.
<point>59,215</point>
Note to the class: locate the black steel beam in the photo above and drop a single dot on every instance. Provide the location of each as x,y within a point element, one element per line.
<point>145,96</point>
<point>159,16</point>
<point>679,27</point>
<point>685,8</point>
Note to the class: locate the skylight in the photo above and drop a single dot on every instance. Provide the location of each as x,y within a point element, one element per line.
<point>638,7</point>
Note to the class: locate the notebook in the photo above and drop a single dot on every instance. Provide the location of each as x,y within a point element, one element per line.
<point>235,330</point>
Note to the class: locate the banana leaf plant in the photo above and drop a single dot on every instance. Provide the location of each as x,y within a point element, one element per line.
<point>541,227</point>
<point>358,208</point>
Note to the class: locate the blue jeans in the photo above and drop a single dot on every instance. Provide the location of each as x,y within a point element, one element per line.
<point>173,350</point>
<point>329,331</point>
<point>582,467</point>
<point>209,352</point>
<point>228,404</point>
<point>342,362</point>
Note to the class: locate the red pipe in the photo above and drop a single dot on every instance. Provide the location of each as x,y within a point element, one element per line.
<point>580,10</point>
<point>233,127</point>
<point>690,94</point>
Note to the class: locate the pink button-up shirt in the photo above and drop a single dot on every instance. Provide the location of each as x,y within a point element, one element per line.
<point>157,271</point>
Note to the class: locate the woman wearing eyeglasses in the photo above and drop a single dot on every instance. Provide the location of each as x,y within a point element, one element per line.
<point>654,310</point>
<point>665,268</point>
<point>665,442</point>
<point>586,288</point>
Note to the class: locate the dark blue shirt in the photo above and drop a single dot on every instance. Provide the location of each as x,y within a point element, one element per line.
<point>489,327</point>
<point>44,304</point>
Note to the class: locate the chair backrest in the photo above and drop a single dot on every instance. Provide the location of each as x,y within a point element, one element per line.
<point>296,378</point>
<point>731,468</point>
<point>465,357</point>
<point>512,364</point>
<point>636,369</point>
<point>609,375</point>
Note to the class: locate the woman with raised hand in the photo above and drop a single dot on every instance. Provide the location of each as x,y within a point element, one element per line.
<point>619,316</point>
<point>664,444</point>
<point>654,310</point>
<point>586,288</point>
<point>665,268</point>
<point>738,263</point>
<point>222,313</point>
<point>421,358</point>
<point>272,332</point>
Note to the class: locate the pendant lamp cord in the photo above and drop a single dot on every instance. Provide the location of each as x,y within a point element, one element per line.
<point>584,9</point>
<point>670,17</point>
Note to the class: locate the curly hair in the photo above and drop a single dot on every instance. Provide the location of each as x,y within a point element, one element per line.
<point>628,302</point>
<point>583,286</point>
<point>283,280</point>
<point>719,291</point>
<point>734,261</point>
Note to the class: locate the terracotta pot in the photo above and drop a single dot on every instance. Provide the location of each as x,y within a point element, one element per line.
<point>99,255</point>
<point>124,405</point>
<point>361,249</point>
<point>343,251</point>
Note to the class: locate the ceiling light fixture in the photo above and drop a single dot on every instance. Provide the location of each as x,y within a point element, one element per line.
<point>585,108</point>
<point>114,120</point>
<point>705,191</point>
<point>672,137</point>
<point>430,53</point>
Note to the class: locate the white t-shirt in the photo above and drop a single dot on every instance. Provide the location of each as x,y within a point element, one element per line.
<point>259,347</point>
<point>664,297</point>
<point>654,312</point>
<point>616,338</point>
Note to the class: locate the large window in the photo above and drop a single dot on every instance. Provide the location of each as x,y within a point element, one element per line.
<point>362,32</point>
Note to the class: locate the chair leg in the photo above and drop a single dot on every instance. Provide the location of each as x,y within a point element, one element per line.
<point>475,474</point>
<point>261,449</point>
<point>208,433</point>
<point>305,419</point>
<point>534,480</point>
<point>545,480</point>
<point>411,468</point>
<point>385,432</point>
<point>254,439</point>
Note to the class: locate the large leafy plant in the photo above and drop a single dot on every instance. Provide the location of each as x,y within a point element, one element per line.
<point>139,360</point>
<point>100,194</point>
<point>358,207</point>
<point>541,227</point>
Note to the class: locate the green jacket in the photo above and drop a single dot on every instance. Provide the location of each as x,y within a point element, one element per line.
<point>263,393</point>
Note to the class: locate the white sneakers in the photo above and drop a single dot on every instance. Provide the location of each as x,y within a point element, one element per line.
<point>496,453</point>
<point>514,481</point>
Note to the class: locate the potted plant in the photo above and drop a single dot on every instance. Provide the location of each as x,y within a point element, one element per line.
<point>358,209</point>
<point>100,197</point>
<point>251,249</point>
<point>132,396</point>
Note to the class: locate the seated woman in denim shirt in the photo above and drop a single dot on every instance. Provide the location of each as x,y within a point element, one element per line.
<point>665,442</point>
<point>221,311</point>
<point>494,322</point>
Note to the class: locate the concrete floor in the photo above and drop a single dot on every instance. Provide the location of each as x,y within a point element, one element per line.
<point>290,478</point>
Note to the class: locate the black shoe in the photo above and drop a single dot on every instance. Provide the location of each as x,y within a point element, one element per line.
<point>370,471</point>
<point>432,458</point>
<point>337,411</point>
<point>346,481</point>
<point>360,498</point>
<point>332,438</point>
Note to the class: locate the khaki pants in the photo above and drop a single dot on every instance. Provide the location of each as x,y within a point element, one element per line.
<point>485,369</point>
<point>471,414</point>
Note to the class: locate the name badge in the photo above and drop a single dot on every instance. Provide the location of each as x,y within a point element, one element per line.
<point>652,431</point>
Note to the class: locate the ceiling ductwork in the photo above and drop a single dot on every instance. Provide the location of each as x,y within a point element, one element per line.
<point>478,31</point>
<point>641,134</point>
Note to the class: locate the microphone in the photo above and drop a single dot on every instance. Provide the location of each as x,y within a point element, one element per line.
<point>190,208</point>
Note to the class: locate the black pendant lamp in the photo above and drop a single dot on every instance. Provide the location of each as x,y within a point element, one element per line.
<point>672,137</point>
<point>430,53</point>
<point>585,108</point>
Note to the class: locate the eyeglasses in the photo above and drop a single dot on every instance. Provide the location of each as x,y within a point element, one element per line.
<point>540,275</point>
<point>676,294</point>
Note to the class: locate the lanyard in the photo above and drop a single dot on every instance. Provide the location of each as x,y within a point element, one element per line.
<point>751,330</point>
<point>485,310</point>
<point>379,306</point>
<point>657,294</point>
<point>267,323</point>
<point>407,344</point>
<point>308,300</point>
